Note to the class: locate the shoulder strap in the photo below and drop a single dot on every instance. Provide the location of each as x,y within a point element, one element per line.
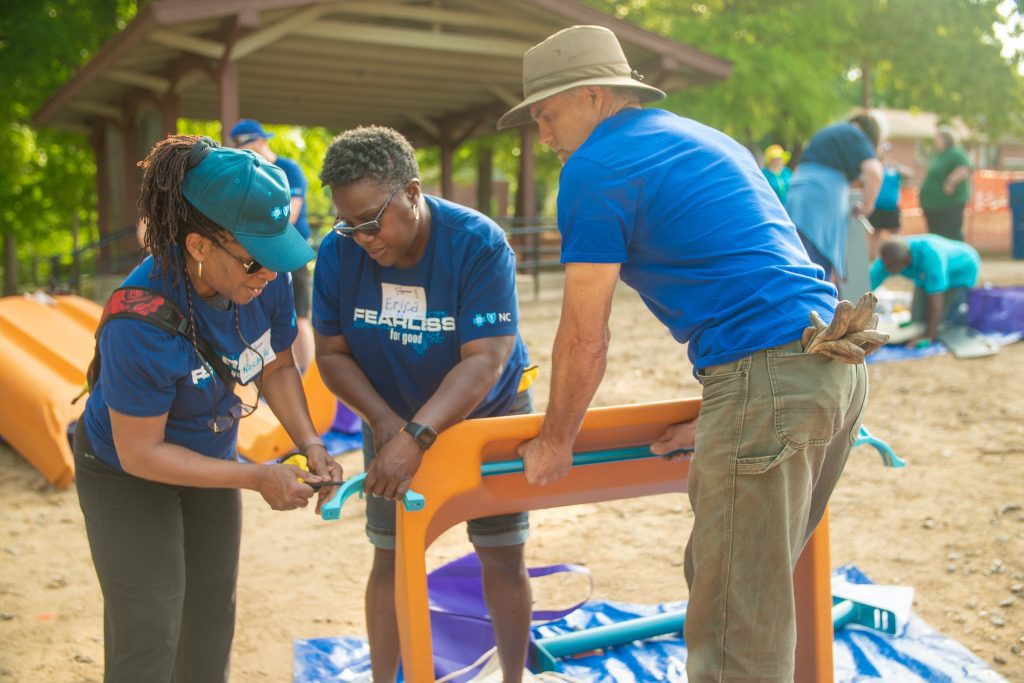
<point>153,307</point>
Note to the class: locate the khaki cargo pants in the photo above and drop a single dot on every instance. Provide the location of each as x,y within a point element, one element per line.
<point>775,430</point>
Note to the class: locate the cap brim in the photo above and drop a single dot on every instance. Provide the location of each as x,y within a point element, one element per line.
<point>281,253</point>
<point>519,115</point>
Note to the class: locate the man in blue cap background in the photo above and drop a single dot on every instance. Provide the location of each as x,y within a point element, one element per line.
<point>249,134</point>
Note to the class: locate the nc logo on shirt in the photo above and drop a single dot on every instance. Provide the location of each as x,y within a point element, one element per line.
<point>481,319</point>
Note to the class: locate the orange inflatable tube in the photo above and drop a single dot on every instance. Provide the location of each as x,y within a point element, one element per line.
<point>45,346</point>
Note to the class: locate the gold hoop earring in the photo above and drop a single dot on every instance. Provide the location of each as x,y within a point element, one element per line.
<point>199,268</point>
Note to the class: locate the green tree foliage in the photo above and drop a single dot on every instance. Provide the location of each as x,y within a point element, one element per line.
<point>798,64</point>
<point>46,177</point>
<point>941,56</point>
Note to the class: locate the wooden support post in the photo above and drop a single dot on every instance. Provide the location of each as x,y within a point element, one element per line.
<point>227,90</point>
<point>526,195</point>
<point>170,107</point>
<point>447,152</point>
<point>484,177</point>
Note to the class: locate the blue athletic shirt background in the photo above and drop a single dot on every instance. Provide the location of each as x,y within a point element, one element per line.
<point>298,185</point>
<point>146,371</point>
<point>889,193</point>
<point>698,230</point>
<point>841,146</point>
<point>467,274</point>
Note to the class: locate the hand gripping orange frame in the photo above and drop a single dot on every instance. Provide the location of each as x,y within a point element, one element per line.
<point>450,480</point>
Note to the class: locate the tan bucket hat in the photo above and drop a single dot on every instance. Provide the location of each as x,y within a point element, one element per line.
<point>574,57</point>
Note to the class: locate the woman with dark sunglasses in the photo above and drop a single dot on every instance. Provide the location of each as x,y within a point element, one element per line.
<point>155,451</point>
<point>415,323</point>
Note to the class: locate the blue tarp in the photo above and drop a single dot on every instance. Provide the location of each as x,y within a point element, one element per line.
<point>918,654</point>
<point>894,352</point>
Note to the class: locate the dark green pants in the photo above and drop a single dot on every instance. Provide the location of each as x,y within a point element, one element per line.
<point>167,562</point>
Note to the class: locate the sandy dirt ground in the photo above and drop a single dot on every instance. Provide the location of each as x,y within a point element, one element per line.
<point>951,524</point>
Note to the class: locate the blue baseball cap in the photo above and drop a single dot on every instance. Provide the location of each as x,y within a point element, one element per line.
<point>250,198</point>
<point>248,130</point>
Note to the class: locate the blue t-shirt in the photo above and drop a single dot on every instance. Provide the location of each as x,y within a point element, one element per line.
<point>297,183</point>
<point>889,193</point>
<point>146,371</point>
<point>405,327</point>
<point>699,233</point>
<point>842,146</point>
<point>937,264</point>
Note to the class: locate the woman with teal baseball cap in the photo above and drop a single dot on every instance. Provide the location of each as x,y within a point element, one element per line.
<point>155,451</point>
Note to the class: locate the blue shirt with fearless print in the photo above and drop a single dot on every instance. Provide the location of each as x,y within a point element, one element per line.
<point>405,327</point>
<point>146,371</point>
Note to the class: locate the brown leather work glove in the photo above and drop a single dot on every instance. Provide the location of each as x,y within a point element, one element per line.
<point>851,336</point>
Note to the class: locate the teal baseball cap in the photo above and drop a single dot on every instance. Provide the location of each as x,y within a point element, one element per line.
<point>249,197</point>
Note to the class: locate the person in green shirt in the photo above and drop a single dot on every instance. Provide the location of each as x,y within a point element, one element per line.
<point>942,269</point>
<point>946,190</point>
<point>776,171</point>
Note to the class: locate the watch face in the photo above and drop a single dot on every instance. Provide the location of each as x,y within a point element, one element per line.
<point>423,434</point>
<point>426,436</point>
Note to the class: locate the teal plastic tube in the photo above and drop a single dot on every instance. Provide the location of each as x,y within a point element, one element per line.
<point>612,634</point>
<point>587,458</point>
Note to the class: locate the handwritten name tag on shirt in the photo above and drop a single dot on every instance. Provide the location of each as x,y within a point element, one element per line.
<point>403,301</point>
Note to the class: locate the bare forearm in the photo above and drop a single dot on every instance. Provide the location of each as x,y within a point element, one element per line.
<point>935,302</point>
<point>957,176</point>
<point>286,398</point>
<point>460,392</point>
<point>176,465</point>
<point>348,382</point>
<point>578,367</point>
<point>871,178</point>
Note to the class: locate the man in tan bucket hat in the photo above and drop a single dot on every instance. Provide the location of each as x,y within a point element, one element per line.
<point>682,213</point>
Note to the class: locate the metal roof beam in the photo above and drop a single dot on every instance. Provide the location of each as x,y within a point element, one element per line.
<point>106,111</point>
<point>505,95</point>
<point>263,37</point>
<point>411,38</point>
<point>437,15</point>
<point>187,43</point>
<point>384,60</point>
<point>150,82</point>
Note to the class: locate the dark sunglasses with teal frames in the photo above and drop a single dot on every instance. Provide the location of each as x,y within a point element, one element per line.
<point>251,267</point>
<point>342,227</point>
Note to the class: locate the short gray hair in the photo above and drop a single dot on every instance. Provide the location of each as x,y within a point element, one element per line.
<point>376,153</point>
<point>948,133</point>
<point>625,95</point>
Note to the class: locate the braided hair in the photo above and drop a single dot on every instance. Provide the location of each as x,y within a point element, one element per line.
<point>168,215</point>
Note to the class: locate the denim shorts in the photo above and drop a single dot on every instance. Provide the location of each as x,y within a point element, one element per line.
<point>488,532</point>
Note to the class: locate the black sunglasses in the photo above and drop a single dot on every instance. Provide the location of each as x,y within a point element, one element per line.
<point>222,423</point>
<point>342,227</point>
<point>251,267</point>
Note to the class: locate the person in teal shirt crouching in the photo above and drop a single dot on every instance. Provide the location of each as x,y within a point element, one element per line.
<point>942,269</point>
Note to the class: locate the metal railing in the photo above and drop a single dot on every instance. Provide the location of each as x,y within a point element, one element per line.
<point>537,244</point>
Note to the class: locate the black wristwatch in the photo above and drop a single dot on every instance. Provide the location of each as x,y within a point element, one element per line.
<point>422,434</point>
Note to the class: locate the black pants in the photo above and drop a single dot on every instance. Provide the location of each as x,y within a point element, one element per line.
<point>948,222</point>
<point>167,562</point>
